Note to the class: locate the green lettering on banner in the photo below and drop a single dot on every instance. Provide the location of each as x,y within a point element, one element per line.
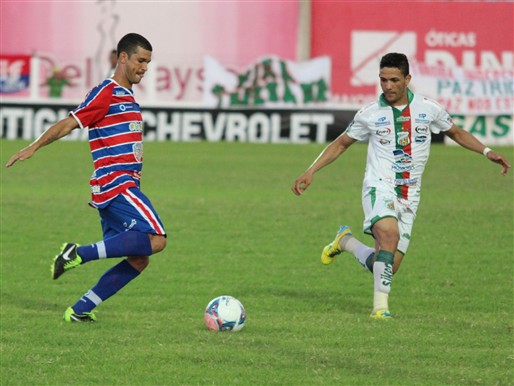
<point>458,120</point>
<point>235,99</point>
<point>479,127</point>
<point>242,78</point>
<point>288,95</point>
<point>456,88</point>
<point>272,91</point>
<point>503,126</point>
<point>268,70</point>
<point>257,100</point>
<point>322,90</point>
<point>285,74</point>
<point>308,94</point>
<point>218,90</point>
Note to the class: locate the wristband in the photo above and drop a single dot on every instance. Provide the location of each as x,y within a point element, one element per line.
<point>486,151</point>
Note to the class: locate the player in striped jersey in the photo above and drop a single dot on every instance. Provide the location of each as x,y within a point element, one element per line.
<point>398,129</point>
<point>131,226</point>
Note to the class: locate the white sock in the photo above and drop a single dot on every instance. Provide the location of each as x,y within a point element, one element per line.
<point>380,301</point>
<point>383,276</point>
<point>359,250</point>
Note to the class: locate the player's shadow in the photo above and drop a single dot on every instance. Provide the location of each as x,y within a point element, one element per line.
<point>34,303</point>
<point>321,300</point>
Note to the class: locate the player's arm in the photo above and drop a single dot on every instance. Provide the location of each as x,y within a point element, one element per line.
<point>58,130</point>
<point>337,147</point>
<point>468,141</point>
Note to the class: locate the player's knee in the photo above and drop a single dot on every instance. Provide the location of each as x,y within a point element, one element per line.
<point>158,243</point>
<point>139,262</point>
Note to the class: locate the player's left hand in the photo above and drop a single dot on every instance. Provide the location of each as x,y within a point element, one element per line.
<point>499,159</point>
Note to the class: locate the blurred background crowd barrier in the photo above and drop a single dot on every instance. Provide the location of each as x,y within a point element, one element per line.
<point>270,71</point>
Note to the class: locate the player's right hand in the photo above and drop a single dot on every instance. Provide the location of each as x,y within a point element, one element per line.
<point>22,155</point>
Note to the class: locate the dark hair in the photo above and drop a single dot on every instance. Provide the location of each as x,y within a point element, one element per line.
<point>396,60</point>
<point>130,42</point>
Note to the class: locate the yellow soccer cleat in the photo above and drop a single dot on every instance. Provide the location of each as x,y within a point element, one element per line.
<point>382,315</point>
<point>70,316</point>
<point>333,249</point>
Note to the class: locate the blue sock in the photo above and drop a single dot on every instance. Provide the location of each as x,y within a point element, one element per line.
<point>111,282</point>
<point>129,243</point>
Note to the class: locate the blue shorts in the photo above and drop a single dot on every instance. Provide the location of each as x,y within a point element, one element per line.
<point>131,210</point>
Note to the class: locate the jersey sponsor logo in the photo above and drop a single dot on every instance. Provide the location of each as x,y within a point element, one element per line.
<point>420,139</point>
<point>384,141</point>
<point>422,118</point>
<point>382,121</point>
<point>399,167</point>
<point>402,119</point>
<point>401,156</point>
<point>136,126</point>
<point>383,132</point>
<point>421,129</point>
<point>403,138</point>
<point>403,161</point>
<point>405,181</point>
<point>95,189</point>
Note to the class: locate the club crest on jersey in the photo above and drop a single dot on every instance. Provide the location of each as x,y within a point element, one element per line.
<point>403,138</point>
<point>389,204</point>
<point>138,151</point>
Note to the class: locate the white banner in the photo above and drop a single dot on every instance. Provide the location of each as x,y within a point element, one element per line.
<point>470,92</point>
<point>268,82</point>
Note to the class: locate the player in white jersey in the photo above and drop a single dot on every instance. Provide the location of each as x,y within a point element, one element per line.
<point>398,129</point>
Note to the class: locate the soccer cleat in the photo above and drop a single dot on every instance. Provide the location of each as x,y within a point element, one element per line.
<point>333,249</point>
<point>66,260</point>
<point>381,314</point>
<point>71,316</point>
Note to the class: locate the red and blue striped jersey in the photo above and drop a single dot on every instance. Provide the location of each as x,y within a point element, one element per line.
<point>115,127</point>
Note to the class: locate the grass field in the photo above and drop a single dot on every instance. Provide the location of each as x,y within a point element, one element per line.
<point>235,228</point>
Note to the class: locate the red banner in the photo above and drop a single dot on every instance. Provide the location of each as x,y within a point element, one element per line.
<point>471,35</point>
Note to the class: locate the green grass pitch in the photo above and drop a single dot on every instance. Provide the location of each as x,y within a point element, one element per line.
<point>236,229</point>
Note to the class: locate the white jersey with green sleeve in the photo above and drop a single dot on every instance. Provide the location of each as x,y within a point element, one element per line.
<point>398,142</point>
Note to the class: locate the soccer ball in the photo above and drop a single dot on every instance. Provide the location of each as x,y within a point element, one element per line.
<point>225,313</point>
